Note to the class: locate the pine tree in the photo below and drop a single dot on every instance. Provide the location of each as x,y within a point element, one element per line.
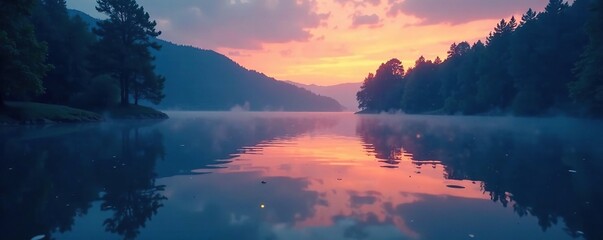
<point>125,39</point>
<point>588,89</point>
<point>69,43</point>
<point>495,86</point>
<point>382,91</point>
<point>529,16</point>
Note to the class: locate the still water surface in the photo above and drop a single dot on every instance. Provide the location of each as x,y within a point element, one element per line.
<point>304,176</point>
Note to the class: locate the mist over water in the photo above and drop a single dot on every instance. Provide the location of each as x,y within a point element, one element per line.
<point>269,175</point>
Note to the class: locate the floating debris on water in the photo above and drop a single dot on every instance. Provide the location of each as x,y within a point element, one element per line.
<point>471,235</point>
<point>455,186</point>
<point>38,237</point>
<point>339,179</point>
<point>264,182</point>
<point>389,166</point>
<point>571,171</point>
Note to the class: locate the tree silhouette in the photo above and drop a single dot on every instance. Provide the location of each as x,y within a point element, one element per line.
<point>123,50</point>
<point>588,88</point>
<point>136,200</point>
<point>69,42</point>
<point>524,68</point>
<point>495,88</point>
<point>381,91</point>
<point>421,92</point>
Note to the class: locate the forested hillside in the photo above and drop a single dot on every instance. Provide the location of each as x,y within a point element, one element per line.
<point>544,63</point>
<point>202,79</point>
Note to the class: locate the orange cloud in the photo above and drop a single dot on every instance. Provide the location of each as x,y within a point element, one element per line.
<point>345,54</point>
<point>327,42</point>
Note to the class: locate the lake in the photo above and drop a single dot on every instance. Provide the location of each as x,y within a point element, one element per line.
<point>238,175</point>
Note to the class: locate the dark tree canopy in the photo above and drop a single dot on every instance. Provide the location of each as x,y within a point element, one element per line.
<point>546,64</point>
<point>374,94</point>
<point>22,56</point>
<point>69,42</point>
<point>123,50</point>
<point>588,88</point>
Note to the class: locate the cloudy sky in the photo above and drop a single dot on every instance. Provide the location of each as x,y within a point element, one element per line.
<point>325,42</point>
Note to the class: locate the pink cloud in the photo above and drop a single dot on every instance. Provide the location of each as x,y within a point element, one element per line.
<point>371,20</point>
<point>359,3</point>
<point>461,11</point>
<point>237,24</point>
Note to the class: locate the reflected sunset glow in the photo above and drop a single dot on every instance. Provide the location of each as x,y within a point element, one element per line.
<point>349,180</point>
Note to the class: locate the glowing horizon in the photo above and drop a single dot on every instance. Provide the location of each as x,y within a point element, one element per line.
<point>326,42</point>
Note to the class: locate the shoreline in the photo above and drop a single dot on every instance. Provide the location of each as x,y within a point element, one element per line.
<point>32,113</point>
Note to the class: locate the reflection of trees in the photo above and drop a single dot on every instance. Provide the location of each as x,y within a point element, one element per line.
<point>389,145</point>
<point>131,192</point>
<point>525,166</point>
<point>50,176</point>
<point>384,144</point>
<point>45,183</point>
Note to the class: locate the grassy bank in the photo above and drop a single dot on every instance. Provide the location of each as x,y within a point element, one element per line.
<point>39,113</point>
<point>133,112</point>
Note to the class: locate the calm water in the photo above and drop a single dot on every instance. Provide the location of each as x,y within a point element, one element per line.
<point>304,176</point>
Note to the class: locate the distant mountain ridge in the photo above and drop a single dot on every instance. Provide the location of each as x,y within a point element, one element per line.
<point>199,79</point>
<point>344,93</point>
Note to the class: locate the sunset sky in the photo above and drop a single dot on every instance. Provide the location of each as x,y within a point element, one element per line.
<point>328,41</point>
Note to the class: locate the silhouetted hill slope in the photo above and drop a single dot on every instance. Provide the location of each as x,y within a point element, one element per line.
<point>204,79</point>
<point>200,79</point>
<point>344,93</point>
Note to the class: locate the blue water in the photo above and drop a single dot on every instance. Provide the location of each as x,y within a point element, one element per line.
<point>304,176</point>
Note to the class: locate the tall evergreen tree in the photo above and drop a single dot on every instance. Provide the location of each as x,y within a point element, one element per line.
<point>529,16</point>
<point>450,80</point>
<point>69,43</point>
<point>147,85</point>
<point>382,91</point>
<point>22,57</point>
<point>460,76</point>
<point>588,88</point>
<point>495,86</point>
<point>422,88</point>
<point>123,50</point>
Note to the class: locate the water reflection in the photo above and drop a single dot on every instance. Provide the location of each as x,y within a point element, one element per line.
<point>202,142</point>
<point>304,176</point>
<point>548,169</point>
<point>52,175</point>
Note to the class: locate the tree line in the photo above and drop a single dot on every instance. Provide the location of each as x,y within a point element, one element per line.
<point>542,64</point>
<point>48,56</point>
